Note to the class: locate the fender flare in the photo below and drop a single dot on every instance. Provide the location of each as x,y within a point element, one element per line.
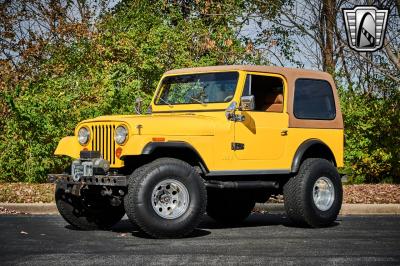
<point>303,149</point>
<point>150,147</point>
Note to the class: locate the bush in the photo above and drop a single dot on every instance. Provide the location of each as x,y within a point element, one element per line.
<point>372,153</point>
<point>101,75</point>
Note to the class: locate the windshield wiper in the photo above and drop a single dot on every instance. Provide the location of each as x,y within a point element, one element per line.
<point>196,100</point>
<point>165,101</point>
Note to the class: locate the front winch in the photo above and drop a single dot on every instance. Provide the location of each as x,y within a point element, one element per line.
<point>89,164</point>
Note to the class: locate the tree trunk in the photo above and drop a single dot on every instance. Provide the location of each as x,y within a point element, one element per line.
<point>328,19</point>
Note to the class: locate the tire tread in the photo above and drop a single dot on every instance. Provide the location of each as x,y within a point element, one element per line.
<point>295,197</point>
<point>136,183</point>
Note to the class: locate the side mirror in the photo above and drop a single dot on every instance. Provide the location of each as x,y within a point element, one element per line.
<point>138,105</point>
<point>247,103</point>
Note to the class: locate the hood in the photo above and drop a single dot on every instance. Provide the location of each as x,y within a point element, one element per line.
<point>188,124</point>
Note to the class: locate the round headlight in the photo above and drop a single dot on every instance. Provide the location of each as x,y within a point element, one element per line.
<point>83,135</point>
<point>121,134</point>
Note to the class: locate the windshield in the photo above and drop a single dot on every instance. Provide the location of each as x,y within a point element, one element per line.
<point>198,88</point>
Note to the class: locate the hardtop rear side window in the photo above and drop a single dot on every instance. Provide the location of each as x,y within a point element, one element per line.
<point>313,99</point>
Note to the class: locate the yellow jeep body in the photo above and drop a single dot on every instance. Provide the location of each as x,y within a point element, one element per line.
<point>270,142</point>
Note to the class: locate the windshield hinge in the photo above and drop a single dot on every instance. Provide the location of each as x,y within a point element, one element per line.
<point>237,146</point>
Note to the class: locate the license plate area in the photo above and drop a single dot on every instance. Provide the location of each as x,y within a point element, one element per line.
<point>81,169</point>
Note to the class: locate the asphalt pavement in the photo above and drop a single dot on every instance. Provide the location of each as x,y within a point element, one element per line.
<point>263,239</point>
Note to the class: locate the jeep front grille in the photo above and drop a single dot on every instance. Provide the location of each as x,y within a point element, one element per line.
<point>103,141</point>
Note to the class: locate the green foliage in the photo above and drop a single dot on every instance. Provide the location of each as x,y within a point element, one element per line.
<point>104,74</point>
<point>372,135</point>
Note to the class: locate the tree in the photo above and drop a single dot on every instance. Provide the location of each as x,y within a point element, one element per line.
<point>369,83</point>
<point>120,57</point>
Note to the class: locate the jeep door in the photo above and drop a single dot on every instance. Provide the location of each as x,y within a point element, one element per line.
<point>262,135</point>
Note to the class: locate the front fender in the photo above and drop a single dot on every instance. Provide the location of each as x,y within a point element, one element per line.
<point>69,146</point>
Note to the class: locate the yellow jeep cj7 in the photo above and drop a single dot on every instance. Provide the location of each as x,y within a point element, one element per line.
<point>216,140</point>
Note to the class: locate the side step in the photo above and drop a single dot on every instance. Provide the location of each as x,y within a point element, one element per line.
<point>241,184</point>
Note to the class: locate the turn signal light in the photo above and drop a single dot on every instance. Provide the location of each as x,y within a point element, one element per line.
<point>118,152</point>
<point>158,139</point>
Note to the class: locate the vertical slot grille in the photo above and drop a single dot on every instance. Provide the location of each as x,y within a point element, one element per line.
<point>103,141</point>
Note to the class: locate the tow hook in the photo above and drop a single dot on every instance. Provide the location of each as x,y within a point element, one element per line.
<point>106,191</point>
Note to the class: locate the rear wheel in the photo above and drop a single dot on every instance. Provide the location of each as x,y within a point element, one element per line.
<point>166,198</point>
<point>229,207</point>
<point>314,196</point>
<point>88,211</point>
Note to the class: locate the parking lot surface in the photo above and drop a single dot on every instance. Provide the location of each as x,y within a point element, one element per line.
<point>262,239</point>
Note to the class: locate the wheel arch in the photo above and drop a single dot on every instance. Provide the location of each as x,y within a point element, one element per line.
<point>176,149</point>
<point>312,148</point>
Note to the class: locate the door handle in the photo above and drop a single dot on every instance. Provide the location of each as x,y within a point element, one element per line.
<point>284,132</point>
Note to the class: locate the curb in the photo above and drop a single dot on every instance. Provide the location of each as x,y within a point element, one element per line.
<point>347,209</point>
<point>370,209</point>
<point>31,208</point>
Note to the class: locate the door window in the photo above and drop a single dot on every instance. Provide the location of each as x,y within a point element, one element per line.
<point>267,91</point>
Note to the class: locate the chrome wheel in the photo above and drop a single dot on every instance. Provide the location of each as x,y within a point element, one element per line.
<point>323,193</point>
<point>170,199</point>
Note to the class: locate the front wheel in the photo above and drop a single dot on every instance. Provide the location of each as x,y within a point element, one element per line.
<point>166,198</point>
<point>314,196</point>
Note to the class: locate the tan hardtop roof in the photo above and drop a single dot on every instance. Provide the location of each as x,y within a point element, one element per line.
<point>284,71</point>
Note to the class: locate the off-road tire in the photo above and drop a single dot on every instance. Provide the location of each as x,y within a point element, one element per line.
<point>298,194</point>
<point>229,207</point>
<point>138,200</point>
<point>80,216</point>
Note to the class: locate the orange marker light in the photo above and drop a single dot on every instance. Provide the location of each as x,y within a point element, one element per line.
<point>158,139</point>
<point>85,149</point>
<point>118,152</point>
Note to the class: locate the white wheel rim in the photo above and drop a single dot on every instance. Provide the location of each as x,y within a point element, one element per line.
<point>323,193</point>
<point>170,199</point>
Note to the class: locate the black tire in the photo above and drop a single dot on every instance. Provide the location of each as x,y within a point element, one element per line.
<point>229,207</point>
<point>138,201</point>
<point>99,215</point>
<point>298,194</point>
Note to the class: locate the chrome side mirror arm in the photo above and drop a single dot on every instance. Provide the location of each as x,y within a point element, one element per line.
<point>231,115</point>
